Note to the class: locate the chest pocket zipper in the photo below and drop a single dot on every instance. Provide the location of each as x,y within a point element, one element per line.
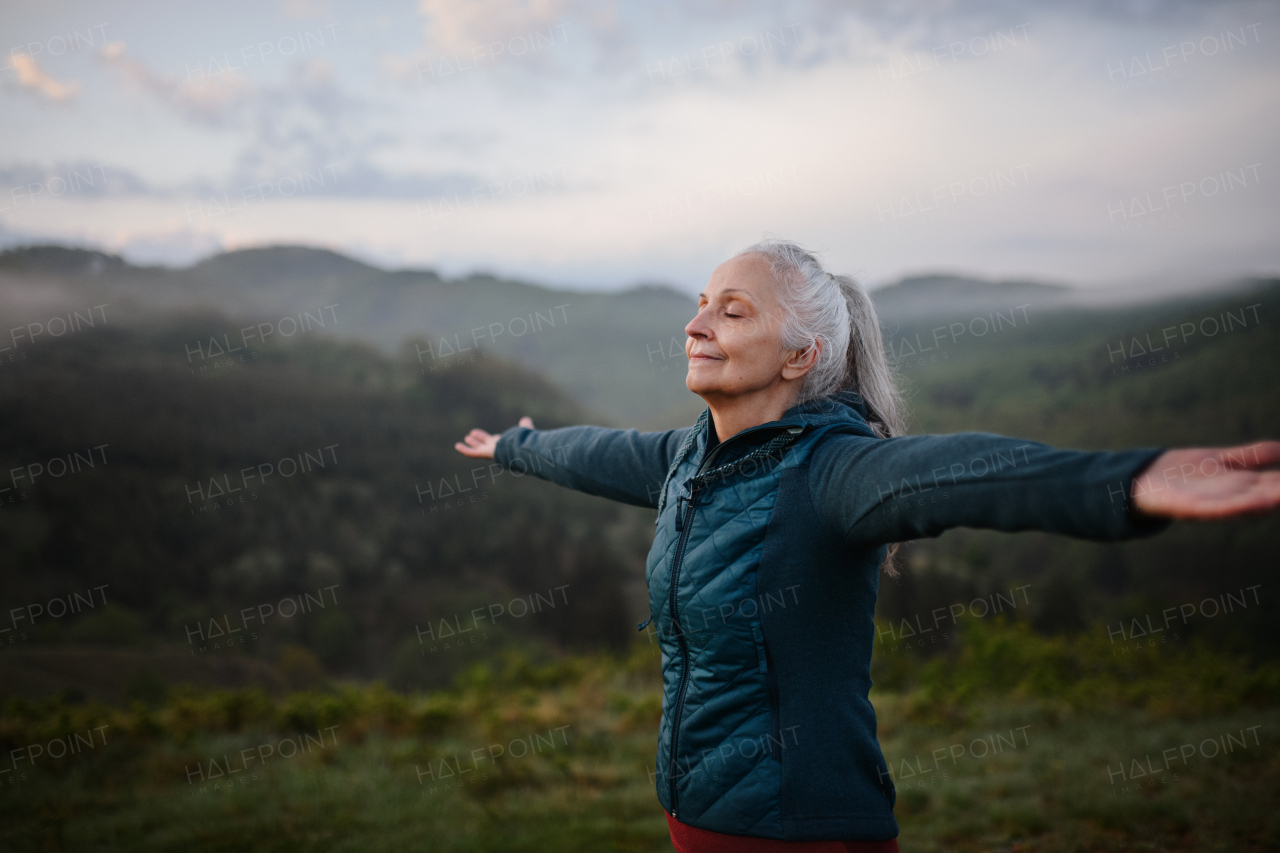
<point>771,685</point>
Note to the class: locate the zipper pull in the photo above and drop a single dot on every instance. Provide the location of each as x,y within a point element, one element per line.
<point>640,627</point>
<point>690,500</point>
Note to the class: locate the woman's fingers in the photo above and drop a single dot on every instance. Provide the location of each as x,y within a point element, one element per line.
<point>1209,461</point>
<point>479,444</point>
<point>1233,493</point>
<point>475,451</point>
<point>1250,456</point>
<point>1209,483</point>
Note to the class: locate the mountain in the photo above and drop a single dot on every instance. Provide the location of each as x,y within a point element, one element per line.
<point>925,297</point>
<point>619,354</point>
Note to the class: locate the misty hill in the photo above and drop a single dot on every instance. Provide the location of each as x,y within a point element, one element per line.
<point>928,297</point>
<point>620,355</point>
<point>605,349</point>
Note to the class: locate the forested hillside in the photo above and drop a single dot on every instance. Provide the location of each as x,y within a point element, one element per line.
<point>1183,372</point>
<point>321,468</point>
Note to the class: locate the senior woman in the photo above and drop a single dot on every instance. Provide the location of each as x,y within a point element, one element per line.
<point>776,512</point>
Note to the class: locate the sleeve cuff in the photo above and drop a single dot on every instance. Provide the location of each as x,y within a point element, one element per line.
<point>1134,524</point>
<point>504,452</point>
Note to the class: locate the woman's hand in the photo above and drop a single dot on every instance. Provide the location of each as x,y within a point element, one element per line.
<point>1210,482</point>
<point>480,445</point>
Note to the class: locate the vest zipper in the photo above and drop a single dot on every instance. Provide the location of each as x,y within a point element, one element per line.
<point>684,647</point>
<point>683,522</point>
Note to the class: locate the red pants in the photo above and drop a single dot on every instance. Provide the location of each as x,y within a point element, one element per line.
<point>690,839</point>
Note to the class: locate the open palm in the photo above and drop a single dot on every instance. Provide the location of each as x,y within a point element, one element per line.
<point>479,444</point>
<point>1210,482</point>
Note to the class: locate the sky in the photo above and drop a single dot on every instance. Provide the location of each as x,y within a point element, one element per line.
<point>600,144</point>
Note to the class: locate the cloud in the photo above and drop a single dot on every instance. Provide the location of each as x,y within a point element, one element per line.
<point>855,31</point>
<point>457,27</point>
<point>303,131</point>
<point>78,178</point>
<point>213,100</point>
<point>896,15</point>
<point>31,77</point>
<point>364,180</point>
<point>533,35</point>
<point>306,122</point>
<point>359,179</point>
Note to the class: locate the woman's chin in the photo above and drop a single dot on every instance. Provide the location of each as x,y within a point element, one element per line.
<point>697,385</point>
<point>701,385</point>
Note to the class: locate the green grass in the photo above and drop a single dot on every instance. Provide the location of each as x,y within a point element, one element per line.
<point>1052,792</point>
<point>1066,711</point>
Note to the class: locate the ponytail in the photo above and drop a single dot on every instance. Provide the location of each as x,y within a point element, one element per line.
<point>867,369</point>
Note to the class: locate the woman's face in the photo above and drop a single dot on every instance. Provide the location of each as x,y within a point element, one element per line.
<point>735,340</point>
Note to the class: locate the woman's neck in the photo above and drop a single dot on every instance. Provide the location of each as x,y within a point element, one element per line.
<point>732,415</point>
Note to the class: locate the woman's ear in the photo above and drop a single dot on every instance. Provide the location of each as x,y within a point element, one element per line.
<point>801,361</point>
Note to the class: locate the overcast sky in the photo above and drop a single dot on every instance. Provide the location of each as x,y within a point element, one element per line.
<point>597,144</point>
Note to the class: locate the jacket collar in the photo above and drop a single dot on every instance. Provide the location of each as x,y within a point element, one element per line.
<point>840,407</point>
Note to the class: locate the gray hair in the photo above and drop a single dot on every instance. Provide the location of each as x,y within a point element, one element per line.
<point>834,309</point>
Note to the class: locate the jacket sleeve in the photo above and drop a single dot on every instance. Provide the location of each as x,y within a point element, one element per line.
<point>891,490</point>
<point>622,465</point>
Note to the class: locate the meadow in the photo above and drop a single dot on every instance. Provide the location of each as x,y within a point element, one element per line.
<point>1006,740</point>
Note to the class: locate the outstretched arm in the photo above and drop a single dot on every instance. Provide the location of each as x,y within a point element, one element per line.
<point>893,490</point>
<point>622,465</point>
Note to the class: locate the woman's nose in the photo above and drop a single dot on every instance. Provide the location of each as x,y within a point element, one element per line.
<point>698,326</point>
